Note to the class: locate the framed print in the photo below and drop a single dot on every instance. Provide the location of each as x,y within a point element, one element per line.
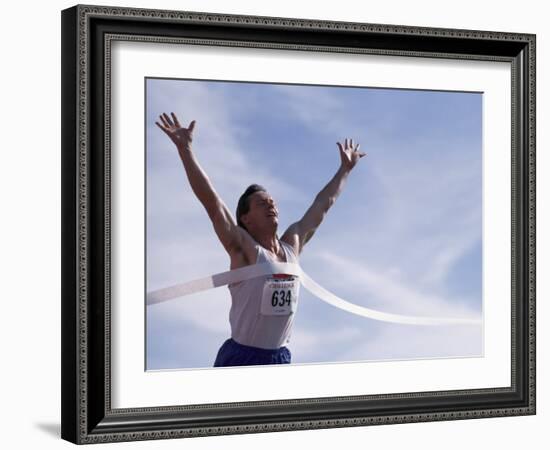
<point>281,224</point>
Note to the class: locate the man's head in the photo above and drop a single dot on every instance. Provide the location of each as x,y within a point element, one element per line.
<point>257,210</point>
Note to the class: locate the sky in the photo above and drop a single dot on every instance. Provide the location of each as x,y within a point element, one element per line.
<point>404,236</point>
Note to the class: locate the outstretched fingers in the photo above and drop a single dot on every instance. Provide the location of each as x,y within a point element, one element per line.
<point>172,121</point>
<point>348,145</point>
<point>349,148</point>
<point>163,128</point>
<point>167,119</point>
<point>164,121</point>
<point>176,121</point>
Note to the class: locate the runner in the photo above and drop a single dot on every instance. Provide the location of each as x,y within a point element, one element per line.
<point>262,308</point>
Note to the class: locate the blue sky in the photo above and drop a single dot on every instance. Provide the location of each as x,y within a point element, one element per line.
<point>404,236</point>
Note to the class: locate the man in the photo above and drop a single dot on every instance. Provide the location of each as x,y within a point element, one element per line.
<point>262,308</point>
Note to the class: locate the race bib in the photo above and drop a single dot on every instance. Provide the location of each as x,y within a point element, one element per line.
<point>280,295</point>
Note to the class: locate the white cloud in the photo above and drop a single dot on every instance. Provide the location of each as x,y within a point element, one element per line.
<point>178,260</point>
<point>217,145</point>
<point>307,344</point>
<point>401,342</point>
<point>395,295</point>
<point>208,311</point>
<point>313,107</point>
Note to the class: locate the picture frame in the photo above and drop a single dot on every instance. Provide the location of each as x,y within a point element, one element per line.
<point>88,415</point>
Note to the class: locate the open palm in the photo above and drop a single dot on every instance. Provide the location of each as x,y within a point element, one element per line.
<point>349,154</point>
<point>182,137</point>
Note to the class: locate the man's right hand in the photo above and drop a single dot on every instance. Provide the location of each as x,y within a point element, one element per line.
<point>181,137</point>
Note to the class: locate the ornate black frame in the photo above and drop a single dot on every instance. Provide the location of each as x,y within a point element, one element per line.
<point>87,416</point>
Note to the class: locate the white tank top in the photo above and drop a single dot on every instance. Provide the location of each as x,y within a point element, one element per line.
<point>248,325</point>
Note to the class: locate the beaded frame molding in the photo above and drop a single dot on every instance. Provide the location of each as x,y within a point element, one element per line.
<point>87,34</point>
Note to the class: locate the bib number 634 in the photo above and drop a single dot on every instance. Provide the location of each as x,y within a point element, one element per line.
<point>281,298</point>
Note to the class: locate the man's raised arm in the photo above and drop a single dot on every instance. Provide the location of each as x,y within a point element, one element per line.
<point>219,214</point>
<point>299,233</point>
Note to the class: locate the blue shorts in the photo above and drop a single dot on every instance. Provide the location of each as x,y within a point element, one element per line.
<point>232,353</point>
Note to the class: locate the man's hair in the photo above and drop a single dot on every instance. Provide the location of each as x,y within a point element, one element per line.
<point>244,202</point>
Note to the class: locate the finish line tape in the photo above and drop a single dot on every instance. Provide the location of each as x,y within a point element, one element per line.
<point>268,268</point>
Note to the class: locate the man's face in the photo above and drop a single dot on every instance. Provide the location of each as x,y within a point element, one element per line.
<point>263,211</point>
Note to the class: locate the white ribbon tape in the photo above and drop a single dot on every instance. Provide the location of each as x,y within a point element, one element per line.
<point>267,268</point>
<point>221,279</point>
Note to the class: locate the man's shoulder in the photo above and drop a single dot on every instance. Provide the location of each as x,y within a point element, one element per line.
<point>293,240</point>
